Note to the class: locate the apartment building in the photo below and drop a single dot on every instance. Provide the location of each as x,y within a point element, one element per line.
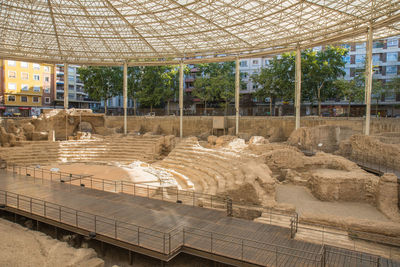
<point>26,87</point>
<point>77,98</point>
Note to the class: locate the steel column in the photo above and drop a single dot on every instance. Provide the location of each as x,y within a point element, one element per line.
<point>368,80</point>
<point>298,86</point>
<point>237,92</point>
<point>181,100</point>
<point>125,95</point>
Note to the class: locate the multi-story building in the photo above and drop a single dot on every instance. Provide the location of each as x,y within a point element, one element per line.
<point>25,87</point>
<point>77,98</point>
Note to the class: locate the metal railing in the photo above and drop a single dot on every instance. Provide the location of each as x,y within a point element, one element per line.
<point>167,243</point>
<point>163,242</point>
<point>371,161</point>
<point>170,194</point>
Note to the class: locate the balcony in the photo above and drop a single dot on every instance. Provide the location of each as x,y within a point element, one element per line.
<point>189,79</point>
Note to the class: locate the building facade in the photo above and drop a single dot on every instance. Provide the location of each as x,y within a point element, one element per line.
<point>77,98</point>
<point>26,87</point>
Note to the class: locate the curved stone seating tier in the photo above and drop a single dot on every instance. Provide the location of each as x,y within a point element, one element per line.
<point>212,171</point>
<point>108,149</point>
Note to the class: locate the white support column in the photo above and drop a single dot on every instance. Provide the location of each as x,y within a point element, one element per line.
<point>125,95</point>
<point>65,85</point>
<point>298,86</point>
<point>181,100</point>
<point>237,92</point>
<point>368,79</point>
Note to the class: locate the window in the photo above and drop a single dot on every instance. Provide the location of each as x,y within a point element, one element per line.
<point>254,86</point>
<point>391,69</point>
<point>12,74</point>
<point>377,44</point>
<point>12,86</point>
<point>360,59</point>
<point>24,98</point>
<point>36,88</point>
<point>392,43</point>
<point>346,59</point>
<point>35,99</point>
<point>24,64</point>
<point>24,87</point>
<point>243,63</point>
<point>36,77</point>
<point>24,75</point>
<point>47,100</point>
<point>46,68</point>
<point>47,90</point>
<point>36,66</point>
<point>70,78</point>
<point>71,88</point>
<point>391,56</point>
<point>376,58</point>
<point>11,98</point>
<point>71,70</point>
<point>360,46</point>
<point>46,78</point>
<point>12,63</point>
<point>255,62</point>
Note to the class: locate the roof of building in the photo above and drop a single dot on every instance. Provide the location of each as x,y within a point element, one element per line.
<point>113,31</point>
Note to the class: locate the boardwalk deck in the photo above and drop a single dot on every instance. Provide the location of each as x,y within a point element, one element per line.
<point>167,227</point>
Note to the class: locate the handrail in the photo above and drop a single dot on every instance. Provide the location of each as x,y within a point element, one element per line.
<point>122,185</point>
<point>164,236</point>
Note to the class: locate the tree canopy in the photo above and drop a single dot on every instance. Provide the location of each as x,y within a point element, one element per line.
<point>217,83</point>
<point>101,83</point>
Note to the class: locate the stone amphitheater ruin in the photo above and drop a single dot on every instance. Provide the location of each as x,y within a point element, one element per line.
<point>317,172</point>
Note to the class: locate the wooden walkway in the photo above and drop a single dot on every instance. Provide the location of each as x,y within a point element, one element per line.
<point>168,228</point>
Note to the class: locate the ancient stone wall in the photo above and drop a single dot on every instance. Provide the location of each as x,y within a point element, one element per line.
<point>279,128</point>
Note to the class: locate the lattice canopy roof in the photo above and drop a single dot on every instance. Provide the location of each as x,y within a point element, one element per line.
<point>113,31</point>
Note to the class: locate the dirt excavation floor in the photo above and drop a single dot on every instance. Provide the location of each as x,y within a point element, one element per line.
<point>305,202</point>
<point>20,246</point>
<point>138,172</point>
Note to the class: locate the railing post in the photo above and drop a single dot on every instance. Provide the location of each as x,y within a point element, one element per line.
<point>17,201</point>
<point>169,243</point>
<point>134,189</point>
<point>183,236</point>
<point>138,236</point>
<point>42,175</point>
<point>115,186</point>
<point>103,184</point>
<point>164,243</point>
<point>211,200</point>
<point>59,212</point>
<point>5,199</point>
<point>30,204</point>
<point>51,176</point>
<point>194,197</point>
<point>44,210</point>
<point>34,174</point>
<point>115,229</point>
<point>122,186</point>
<point>148,192</point>
<point>211,242</point>
<point>177,194</point>
<point>76,218</point>
<point>91,182</point>
<point>242,249</point>
<point>95,224</point>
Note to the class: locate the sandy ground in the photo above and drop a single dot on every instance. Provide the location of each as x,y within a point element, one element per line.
<point>137,172</point>
<point>304,201</point>
<point>20,246</point>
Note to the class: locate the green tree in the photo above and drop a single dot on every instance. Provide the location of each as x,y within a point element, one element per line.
<point>152,86</point>
<point>320,69</point>
<point>351,90</point>
<point>378,91</point>
<point>134,84</point>
<point>101,83</point>
<point>276,81</point>
<point>393,87</point>
<point>217,83</point>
